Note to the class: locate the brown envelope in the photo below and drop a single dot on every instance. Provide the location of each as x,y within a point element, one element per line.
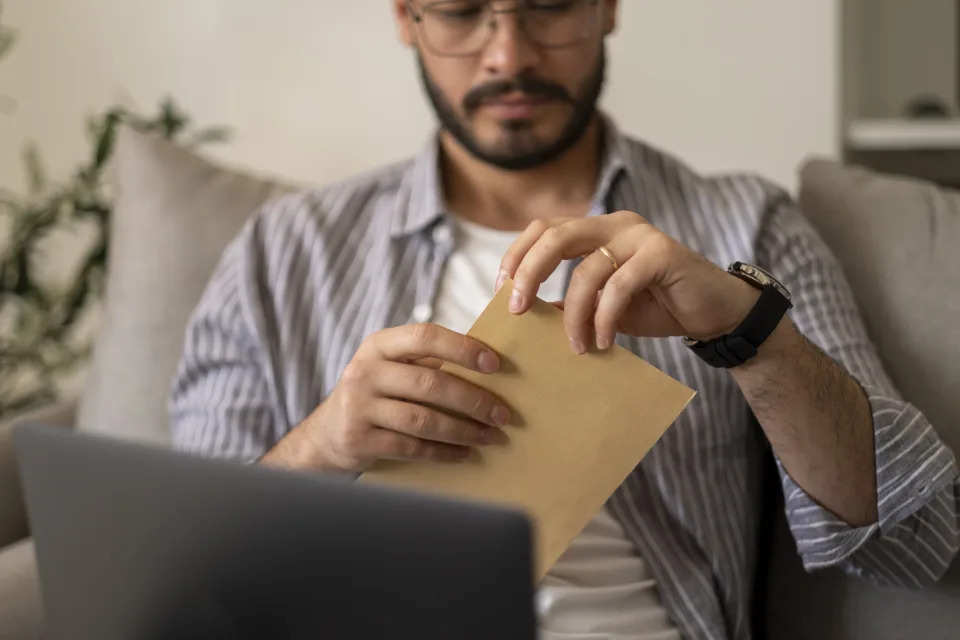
<point>579,425</point>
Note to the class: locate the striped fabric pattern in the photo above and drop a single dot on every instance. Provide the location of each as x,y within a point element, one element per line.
<point>312,274</point>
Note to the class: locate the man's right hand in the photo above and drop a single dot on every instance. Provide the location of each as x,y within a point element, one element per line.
<point>392,402</point>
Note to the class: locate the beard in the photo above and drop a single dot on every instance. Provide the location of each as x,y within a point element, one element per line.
<point>521,150</point>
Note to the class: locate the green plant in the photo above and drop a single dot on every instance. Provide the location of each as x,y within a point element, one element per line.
<point>41,337</point>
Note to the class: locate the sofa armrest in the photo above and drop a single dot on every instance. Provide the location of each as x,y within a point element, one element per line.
<point>13,519</point>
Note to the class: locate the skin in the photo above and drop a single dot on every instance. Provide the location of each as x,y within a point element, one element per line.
<point>393,403</point>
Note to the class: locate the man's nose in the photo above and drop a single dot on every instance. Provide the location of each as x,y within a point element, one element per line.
<point>510,52</point>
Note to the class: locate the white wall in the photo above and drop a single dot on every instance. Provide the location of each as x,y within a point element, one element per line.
<point>730,84</point>
<point>318,89</point>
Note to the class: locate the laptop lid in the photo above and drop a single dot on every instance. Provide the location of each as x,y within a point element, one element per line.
<point>141,543</point>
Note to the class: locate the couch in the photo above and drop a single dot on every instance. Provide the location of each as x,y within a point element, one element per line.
<point>895,237</point>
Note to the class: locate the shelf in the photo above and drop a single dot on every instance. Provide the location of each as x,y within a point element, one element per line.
<point>903,135</point>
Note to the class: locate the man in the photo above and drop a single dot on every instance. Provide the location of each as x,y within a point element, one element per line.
<point>316,344</point>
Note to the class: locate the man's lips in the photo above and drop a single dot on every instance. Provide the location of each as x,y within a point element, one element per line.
<point>513,106</point>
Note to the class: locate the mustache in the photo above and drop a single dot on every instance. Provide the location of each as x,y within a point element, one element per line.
<point>525,84</point>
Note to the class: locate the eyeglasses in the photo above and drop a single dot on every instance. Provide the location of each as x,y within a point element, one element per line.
<point>460,28</point>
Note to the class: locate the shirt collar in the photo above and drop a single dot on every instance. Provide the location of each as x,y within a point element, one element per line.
<point>420,202</point>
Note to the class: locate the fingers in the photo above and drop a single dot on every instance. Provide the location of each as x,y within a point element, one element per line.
<point>420,384</point>
<point>520,247</point>
<point>557,242</point>
<point>432,425</point>
<point>391,445</point>
<point>430,363</point>
<point>541,248</point>
<point>598,296</point>
<point>414,342</point>
<point>393,401</point>
<point>632,278</point>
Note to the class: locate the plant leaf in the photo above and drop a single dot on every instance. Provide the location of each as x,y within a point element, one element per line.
<point>172,118</point>
<point>107,137</point>
<point>41,318</point>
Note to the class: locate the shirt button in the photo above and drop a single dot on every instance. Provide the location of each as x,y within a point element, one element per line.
<point>422,313</point>
<point>441,234</point>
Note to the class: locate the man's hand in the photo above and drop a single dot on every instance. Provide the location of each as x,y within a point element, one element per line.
<point>661,288</point>
<point>815,415</point>
<point>392,402</point>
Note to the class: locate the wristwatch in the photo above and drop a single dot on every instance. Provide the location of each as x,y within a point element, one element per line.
<point>738,346</point>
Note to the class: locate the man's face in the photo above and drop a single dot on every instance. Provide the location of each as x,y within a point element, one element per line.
<point>519,94</point>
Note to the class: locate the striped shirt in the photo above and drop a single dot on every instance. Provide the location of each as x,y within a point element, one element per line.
<point>312,274</point>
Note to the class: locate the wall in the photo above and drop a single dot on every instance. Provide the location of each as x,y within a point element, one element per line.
<point>318,89</point>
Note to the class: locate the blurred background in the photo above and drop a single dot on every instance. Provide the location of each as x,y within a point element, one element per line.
<point>314,90</point>
<point>318,89</point>
<point>108,233</point>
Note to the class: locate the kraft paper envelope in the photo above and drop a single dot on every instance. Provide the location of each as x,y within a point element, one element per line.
<point>579,425</point>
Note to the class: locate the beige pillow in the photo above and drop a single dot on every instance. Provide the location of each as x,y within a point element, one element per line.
<point>897,240</point>
<point>175,214</point>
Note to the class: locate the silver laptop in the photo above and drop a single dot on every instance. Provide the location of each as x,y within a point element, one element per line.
<point>140,543</point>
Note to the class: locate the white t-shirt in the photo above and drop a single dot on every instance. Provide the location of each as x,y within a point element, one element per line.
<point>600,589</point>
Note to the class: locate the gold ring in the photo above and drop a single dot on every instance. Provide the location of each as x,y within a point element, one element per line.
<point>609,255</point>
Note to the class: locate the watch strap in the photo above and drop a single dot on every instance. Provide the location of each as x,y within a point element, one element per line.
<point>742,343</point>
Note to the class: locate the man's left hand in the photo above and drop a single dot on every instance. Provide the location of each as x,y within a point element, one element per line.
<point>659,287</point>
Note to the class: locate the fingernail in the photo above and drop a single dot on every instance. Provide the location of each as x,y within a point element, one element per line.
<point>602,342</point>
<point>578,347</point>
<point>501,278</point>
<point>516,301</point>
<point>488,362</point>
<point>500,416</point>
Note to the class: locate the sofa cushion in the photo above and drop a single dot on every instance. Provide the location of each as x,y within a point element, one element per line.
<point>897,240</point>
<point>174,215</point>
<point>21,611</point>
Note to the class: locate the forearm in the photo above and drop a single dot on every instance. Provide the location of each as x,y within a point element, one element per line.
<point>818,421</point>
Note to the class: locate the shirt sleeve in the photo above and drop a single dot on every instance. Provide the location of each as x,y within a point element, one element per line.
<point>918,492</point>
<point>222,401</point>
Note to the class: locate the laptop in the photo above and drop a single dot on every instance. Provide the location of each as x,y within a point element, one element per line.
<point>137,543</point>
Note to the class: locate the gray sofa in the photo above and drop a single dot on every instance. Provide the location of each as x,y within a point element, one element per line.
<point>896,239</point>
